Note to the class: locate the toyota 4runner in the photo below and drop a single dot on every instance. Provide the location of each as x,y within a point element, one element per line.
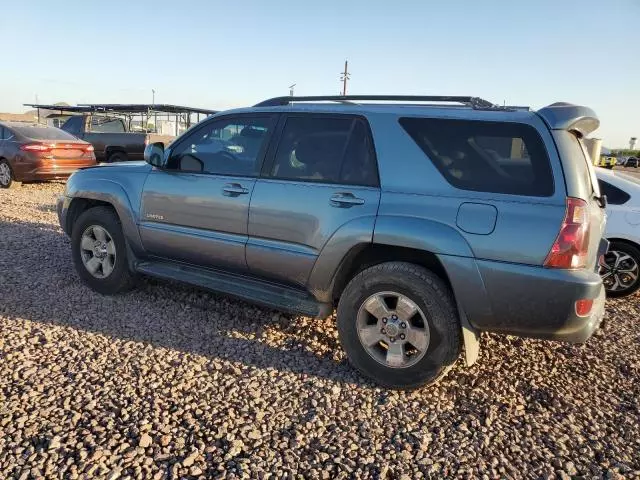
<point>422,220</point>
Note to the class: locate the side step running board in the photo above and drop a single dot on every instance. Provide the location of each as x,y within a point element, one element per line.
<point>271,295</point>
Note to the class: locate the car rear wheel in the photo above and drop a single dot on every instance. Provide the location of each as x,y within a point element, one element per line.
<point>117,157</point>
<point>621,269</point>
<point>399,326</point>
<point>99,251</point>
<point>7,179</point>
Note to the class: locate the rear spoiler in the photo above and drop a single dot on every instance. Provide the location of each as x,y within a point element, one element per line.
<point>566,116</point>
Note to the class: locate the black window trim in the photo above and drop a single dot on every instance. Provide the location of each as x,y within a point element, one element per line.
<point>267,167</point>
<point>274,117</point>
<point>484,192</point>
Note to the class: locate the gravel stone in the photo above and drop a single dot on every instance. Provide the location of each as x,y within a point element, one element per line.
<point>145,441</point>
<point>173,382</point>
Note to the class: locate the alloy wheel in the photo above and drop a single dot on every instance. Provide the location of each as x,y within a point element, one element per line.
<point>98,251</point>
<point>393,329</point>
<point>5,174</point>
<point>619,271</point>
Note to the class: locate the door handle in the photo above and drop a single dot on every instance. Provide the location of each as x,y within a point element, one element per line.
<point>234,189</point>
<point>345,200</point>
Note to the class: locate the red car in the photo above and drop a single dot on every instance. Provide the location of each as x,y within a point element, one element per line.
<point>30,152</point>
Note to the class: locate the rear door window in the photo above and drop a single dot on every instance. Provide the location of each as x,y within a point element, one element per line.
<point>327,149</point>
<point>496,157</point>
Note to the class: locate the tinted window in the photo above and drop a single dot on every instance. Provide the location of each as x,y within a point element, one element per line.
<point>107,125</point>
<point>615,196</point>
<point>2,133</point>
<point>326,149</point>
<point>485,156</point>
<point>44,133</point>
<point>226,147</point>
<point>73,125</point>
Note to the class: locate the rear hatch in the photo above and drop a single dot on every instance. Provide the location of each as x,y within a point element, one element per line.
<point>569,124</point>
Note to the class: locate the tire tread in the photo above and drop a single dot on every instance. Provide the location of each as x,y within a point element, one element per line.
<point>454,333</point>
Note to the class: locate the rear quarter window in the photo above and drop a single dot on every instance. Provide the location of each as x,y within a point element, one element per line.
<point>496,157</point>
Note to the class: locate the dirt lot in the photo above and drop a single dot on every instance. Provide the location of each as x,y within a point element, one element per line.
<point>631,171</point>
<point>170,382</point>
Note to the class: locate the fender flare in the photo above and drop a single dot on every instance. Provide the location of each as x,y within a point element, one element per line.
<point>113,193</point>
<point>448,245</point>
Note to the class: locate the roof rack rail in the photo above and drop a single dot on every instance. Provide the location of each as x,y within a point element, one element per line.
<point>474,102</point>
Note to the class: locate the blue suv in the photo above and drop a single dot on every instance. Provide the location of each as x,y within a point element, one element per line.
<point>421,220</point>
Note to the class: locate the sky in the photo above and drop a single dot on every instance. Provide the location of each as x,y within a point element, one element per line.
<point>222,54</point>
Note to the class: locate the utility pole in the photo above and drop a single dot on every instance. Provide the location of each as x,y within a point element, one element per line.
<point>291,89</point>
<point>155,115</point>
<point>344,76</point>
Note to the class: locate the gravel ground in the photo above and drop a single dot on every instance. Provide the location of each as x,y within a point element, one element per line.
<point>170,382</point>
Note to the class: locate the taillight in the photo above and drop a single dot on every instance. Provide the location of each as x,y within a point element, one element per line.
<point>89,148</point>
<point>36,147</point>
<point>571,247</point>
<point>583,307</point>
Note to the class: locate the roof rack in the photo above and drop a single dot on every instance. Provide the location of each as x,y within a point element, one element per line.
<point>473,102</point>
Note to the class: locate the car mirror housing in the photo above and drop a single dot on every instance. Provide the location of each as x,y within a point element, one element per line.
<point>154,154</point>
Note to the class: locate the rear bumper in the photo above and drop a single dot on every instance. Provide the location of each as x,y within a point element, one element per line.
<point>540,302</point>
<point>50,169</point>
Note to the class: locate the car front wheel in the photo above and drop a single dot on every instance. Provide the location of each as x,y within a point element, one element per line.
<point>621,269</point>
<point>99,251</point>
<point>398,325</point>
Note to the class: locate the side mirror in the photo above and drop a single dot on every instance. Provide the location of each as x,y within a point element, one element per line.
<point>154,154</point>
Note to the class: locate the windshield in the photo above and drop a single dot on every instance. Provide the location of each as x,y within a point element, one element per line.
<point>44,133</point>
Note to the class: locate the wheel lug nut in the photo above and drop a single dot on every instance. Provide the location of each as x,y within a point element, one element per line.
<point>403,325</point>
<point>393,339</point>
<point>384,320</point>
<point>394,317</point>
<point>402,337</point>
<point>383,331</point>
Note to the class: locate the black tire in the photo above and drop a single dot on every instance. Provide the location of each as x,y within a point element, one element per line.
<point>120,279</point>
<point>431,295</point>
<point>117,157</point>
<point>11,181</point>
<point>634,252</point>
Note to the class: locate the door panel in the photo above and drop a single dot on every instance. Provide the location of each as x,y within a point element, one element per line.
<point>290,222</point>
<point>196,208</point>
<point>190,217</point>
